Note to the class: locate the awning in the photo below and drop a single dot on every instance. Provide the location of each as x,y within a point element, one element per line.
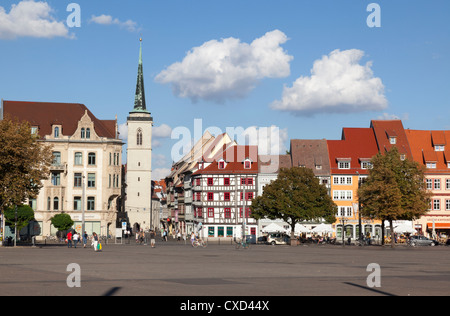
<point>439,225</point>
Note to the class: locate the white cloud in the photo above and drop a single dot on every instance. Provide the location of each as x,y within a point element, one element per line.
<point>338,84</point>
<point>160,173</point>
<point>109,20</point>
<point>123,131</point>
<point>227,69</point>
<point>31,19</point>
<point>162,131</point>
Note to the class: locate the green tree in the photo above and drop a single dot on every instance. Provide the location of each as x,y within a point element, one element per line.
<point>24,163</point>
<point>295,196</point>
<point>62,221</point>
<point>394,190</point>
<point>24,215</point>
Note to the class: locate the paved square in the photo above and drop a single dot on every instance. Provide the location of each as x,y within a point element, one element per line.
<point>173,269</point>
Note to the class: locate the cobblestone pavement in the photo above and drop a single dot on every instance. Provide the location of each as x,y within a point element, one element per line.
<point>176,269</point>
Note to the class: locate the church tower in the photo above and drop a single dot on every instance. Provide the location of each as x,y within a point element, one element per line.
<point>139,157</point>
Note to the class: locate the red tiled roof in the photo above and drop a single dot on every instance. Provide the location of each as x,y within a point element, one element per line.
<point>384,129</point>
<point>356,145</point>
<point>234,157</point>
<point>423,151</point>
<point>46,114</point>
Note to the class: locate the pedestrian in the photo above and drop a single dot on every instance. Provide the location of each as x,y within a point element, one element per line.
<point>85,238</point>
<point>179,236</point>
<point>152,238</point>
<point>95,238</point>
<point>69,239</point>
<point>192,239</point>
<point>76,238</point>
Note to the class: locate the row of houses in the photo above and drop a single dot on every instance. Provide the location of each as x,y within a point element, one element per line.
<point>210,189</point>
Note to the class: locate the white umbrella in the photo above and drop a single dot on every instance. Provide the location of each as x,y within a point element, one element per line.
<point>404,229</point>
<point>323,228</point>
<point>299,228</point>
<point>273,228</point>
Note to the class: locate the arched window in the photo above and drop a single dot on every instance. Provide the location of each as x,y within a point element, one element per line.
<point>56,132</point>
<point>139,137</point>
<point>56,204</point>
<point>88,133</point>
<point>83,133</point>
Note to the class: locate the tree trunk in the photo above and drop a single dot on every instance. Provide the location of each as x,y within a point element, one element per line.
<point>293,239</point>
<point>392,234</point>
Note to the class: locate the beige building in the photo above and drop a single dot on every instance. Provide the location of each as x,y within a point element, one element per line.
<point>86,170</point>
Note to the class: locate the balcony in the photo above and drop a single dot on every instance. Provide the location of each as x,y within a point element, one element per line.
<point>62,167</point>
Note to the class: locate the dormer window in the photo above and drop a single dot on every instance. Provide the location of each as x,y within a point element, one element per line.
<point>221,164</point>
<point>393,140</point>
<point>56,132</point>
<point>344,163</point>
<point>439,148</point>
<point>247,164</point>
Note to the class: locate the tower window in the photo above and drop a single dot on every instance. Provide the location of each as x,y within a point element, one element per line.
<point>139,137</point>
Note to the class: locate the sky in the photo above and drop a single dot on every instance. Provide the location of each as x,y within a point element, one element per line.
<point>296,69</point>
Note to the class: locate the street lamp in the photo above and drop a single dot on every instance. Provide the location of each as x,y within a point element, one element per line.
<point>83,198</point>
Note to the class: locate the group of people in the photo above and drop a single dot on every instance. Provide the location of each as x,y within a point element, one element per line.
<point>75,238</point>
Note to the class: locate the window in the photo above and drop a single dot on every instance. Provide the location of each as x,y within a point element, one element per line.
<point>439,148</point>
<point>345,211</point>
<point>226,196</point>
<point>78,159</point>
<point>393,140</point>
<point>366,165</point>
<point>226,181</point>
<point>83,133</point>
<point>77,180</point>
<point>221,164</point>
<point>77,203</point>
<point>344,165</point>
<point>56,178</point>
<point>447,184</point>
<point>429,184</point>
<point>227,212</point>
<point>342,195</point>
<point>56,158</point>
<point>431,165</point>
<point>139,137</point>
<point>91,180</point>
<point>49,203</point>
<point>34,130</point>
<point>210,212</point>
<point>56,132</point>
<point>447,205</point>
<point>437,205</point>
<point>247,164</point>
<point>210,181</point>
<point>198,196</point>
<point>247,212</point>
<point>91,159</point>
<point>88,133</point>
<point>56,204</point>
<point>220,231</point>
<point>210,196</point>
<point>197,181</point>
<point>91,203</point>
<point>211,230</point>
<point>342,180</point>
<point>437,184</point>
<point>229,231</point>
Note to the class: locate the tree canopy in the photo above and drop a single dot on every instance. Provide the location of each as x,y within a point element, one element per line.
<point>62,221</point>
<point>295,196</point>
<point>24,163</point>
<point>394,190</point>
<point>25,214</point>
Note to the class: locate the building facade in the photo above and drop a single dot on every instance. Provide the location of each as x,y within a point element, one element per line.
<point>85,176</point>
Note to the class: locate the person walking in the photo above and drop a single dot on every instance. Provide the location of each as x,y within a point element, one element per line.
<point>69,239</point>
<point>76,238</point>
<point>152,238</point>
<point>95,238</point>
<point>85,238</point>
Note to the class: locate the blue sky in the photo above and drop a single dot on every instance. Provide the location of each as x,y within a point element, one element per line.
<point>306,67</point>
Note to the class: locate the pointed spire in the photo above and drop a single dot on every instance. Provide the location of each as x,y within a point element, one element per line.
<point>139,98</point>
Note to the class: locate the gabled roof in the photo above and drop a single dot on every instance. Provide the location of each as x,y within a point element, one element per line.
<point>46,114</point>
<point>385,129</point>
<point>234,156</point>
<point>311,153</point>
<point>356,145</point>
<point>423,151</point>
<point>271,164</point>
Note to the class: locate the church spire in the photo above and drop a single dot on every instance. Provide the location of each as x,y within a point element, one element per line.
<point>139,98</point>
